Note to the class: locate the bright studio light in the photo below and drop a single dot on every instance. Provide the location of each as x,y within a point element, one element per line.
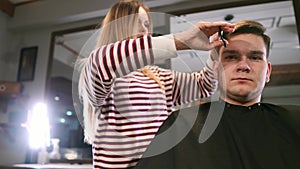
<point>38,126</point>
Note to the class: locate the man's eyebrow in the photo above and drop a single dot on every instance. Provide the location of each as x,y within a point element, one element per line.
<point>230,52</point>
<point>257,52</point>
<point>235,52</point>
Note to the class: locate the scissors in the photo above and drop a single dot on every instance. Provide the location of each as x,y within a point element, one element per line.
<point>221,35</point>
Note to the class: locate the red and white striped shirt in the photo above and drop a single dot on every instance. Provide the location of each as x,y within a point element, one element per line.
<point>132,106</point>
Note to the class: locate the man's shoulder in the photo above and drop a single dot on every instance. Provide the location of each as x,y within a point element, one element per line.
<point>289,113</point>
<point>283,108</point>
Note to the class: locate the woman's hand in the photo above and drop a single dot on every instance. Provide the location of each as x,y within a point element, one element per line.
<point>197,37</point>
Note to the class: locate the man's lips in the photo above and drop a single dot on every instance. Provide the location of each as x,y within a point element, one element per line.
<point>241,79</point>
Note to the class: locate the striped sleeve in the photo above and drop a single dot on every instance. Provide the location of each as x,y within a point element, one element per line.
<point>118,59</point>
<point>189,87</point>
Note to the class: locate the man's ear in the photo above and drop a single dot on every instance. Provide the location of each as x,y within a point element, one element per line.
<point>269,70</point>
<point>215,69</point>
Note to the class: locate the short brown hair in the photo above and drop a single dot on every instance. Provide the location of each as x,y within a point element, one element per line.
<point>250,27</point>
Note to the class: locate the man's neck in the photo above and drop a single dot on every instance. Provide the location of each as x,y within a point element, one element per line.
<point>241,102</point>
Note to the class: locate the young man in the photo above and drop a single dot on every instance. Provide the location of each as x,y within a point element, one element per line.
<point>238,131</point>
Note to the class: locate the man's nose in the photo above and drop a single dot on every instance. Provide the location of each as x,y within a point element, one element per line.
<point>243,65</point>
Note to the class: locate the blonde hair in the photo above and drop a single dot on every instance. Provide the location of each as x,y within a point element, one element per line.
<point>121,22</point>
<point>89,112</point>
<point>112,30</point>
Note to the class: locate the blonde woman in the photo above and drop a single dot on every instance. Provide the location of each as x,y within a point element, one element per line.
<point>125,97</point>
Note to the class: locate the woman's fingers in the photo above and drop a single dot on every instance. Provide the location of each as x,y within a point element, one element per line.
<point>210,28</point>
<point>217,43</point>
<point>198,37</point>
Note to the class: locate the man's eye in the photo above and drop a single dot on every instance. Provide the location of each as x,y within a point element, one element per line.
<point>230,57</point>
<point>255,57</point>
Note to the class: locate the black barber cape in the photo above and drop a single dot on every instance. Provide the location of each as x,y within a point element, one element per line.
<point>261,136</point>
